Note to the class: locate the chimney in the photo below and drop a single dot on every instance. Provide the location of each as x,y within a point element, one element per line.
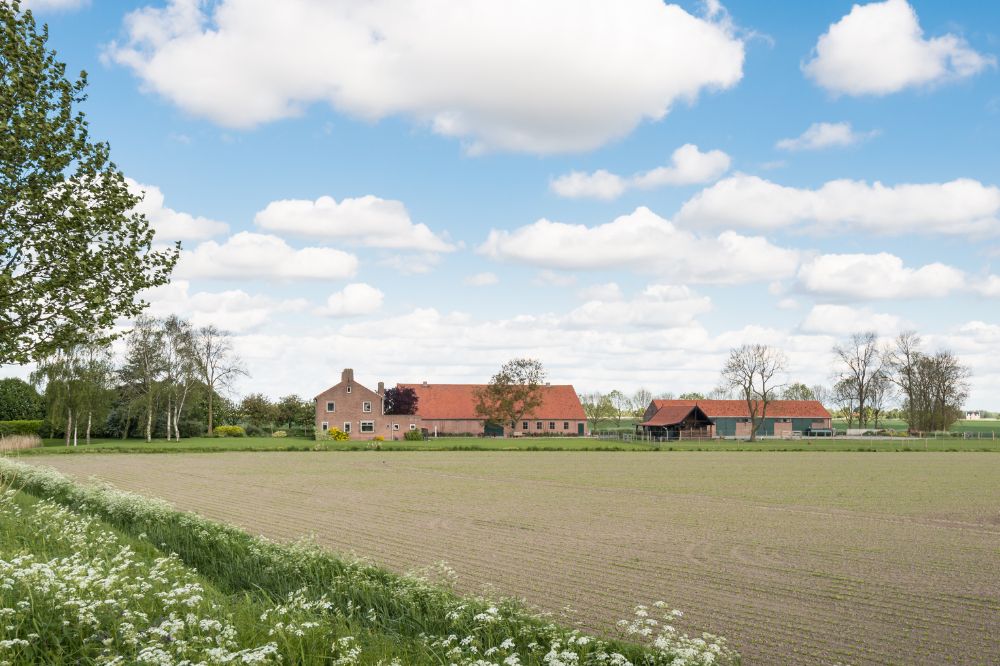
<point>425,382</point>
<point>381,388</point>
<point>347,375</point>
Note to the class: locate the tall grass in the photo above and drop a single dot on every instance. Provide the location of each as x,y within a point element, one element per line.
<point>406,617</point>
<point>19,442</point>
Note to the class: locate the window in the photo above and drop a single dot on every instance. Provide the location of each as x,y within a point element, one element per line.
<point>366,406</point>
<point>331,406</point>
<point>538,425</point>
<point>524,425</point>
<point>395,426</point>
<point>348,389</point>
<point>565,425</point>
<point>413,426</point>
<point>552,425</point>
<point>367,426</point>
<point>347,426</point>
<point>326,426</point>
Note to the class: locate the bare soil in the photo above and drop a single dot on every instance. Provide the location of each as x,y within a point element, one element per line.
<point>797,558</point>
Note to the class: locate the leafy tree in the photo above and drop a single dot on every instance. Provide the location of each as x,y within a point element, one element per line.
<point>74,255</point>
<point>144,367</point>
<point>798,391</point>
<point>512,393</point>
<point>596,407</point>
<point>293,410</point>
<point>692,396</point>
<point>258,410</point>
<point>621,405</point>
<point>933,387</point>
<point>19,400</point>
<point>181,370</point>
<point>752,370</point>
<point>401,400</point>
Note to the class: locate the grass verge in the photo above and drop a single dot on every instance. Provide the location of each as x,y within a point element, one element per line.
<point>81,581</point>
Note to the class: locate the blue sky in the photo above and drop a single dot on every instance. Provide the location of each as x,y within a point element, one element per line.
<point>516,138</point>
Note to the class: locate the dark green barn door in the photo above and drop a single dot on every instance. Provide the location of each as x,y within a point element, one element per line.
<point>493,430</point>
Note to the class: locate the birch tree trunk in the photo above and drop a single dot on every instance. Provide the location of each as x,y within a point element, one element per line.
<point>169,416</point>
<point>89,417</point>
<point>149,421</point>
<point>69,424</point>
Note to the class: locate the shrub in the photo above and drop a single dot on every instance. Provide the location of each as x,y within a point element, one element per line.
<point>378,438</point>
<point>253,431</point>
<point>335,434</point>
<point>375,445</point>
<point>413,436</point>
<point>230,431</point>
<point>279,433</point>
<point>20,427</point>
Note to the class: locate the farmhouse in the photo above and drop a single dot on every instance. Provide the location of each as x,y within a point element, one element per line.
<point>686,419</point>
<point>442,409</point>
<point>358,410</point>
<point>450,409</point>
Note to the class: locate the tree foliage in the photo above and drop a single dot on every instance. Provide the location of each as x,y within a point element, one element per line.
<point>798,391</point>
<point>933,386</point>
<point>74,256</point>
<point>401,400</point>
<point>512,393</point>
<point>19,401</point>
<point>597,407</point>
<point>860,363</point>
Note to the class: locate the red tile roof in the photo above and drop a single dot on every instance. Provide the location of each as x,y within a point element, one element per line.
<point>669,415</point>
<point>800,409</point>
<point>458,401</point>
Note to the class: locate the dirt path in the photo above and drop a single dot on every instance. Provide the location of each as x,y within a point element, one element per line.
<point>797,558</point>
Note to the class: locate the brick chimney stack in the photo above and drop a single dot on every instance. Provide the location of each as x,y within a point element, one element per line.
<point>347,375</point>
<point>381,388</point>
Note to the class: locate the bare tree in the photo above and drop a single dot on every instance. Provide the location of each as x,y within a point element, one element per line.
<point>860,360</point>
<point>901,360</point>
<point>822,394</point>
<point>844,396</point>
<point>640,400</point>
<point>752,370</point>
<point>217,364</point>
<point>880,393</point>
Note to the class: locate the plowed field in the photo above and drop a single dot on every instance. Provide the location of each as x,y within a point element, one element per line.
<point>797,558</point>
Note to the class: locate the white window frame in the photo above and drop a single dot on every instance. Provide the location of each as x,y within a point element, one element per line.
<point>413,426</point>
<point>395,426</point>
<point>331,406</point>
<point>367,427</point>
<point>366,406</point>
<point>347,427</point>
<point>348,389</point>
<point>326,425</point>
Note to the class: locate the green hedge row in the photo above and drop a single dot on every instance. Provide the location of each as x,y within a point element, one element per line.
<point>24,427</point>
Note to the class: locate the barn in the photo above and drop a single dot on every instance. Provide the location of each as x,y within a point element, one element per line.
<point>677,419</point>
<point>450,409</point>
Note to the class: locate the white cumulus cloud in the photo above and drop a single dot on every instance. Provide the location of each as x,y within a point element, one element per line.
<point>879,48</point>
<point>645,242</point>
<point>826,135</point>
<point>842,320</point>
<point>262,256</point>
<point>354,299</point>
<point>525,76</point>
<point>169,224</point>
<point>688,166</point>
<point>366,220</point>
<point>961,206</point>
<point>231,310</point>
<point>877,276</point>
<point>659,306</point>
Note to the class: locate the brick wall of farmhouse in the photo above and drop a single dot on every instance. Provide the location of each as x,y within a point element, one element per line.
<point>475,427</point>
<point>345,403</point>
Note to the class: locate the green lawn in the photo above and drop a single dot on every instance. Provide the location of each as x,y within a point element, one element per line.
<point>211,445</point>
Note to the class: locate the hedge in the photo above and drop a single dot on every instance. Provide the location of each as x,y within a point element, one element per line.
<point>22,427</point>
